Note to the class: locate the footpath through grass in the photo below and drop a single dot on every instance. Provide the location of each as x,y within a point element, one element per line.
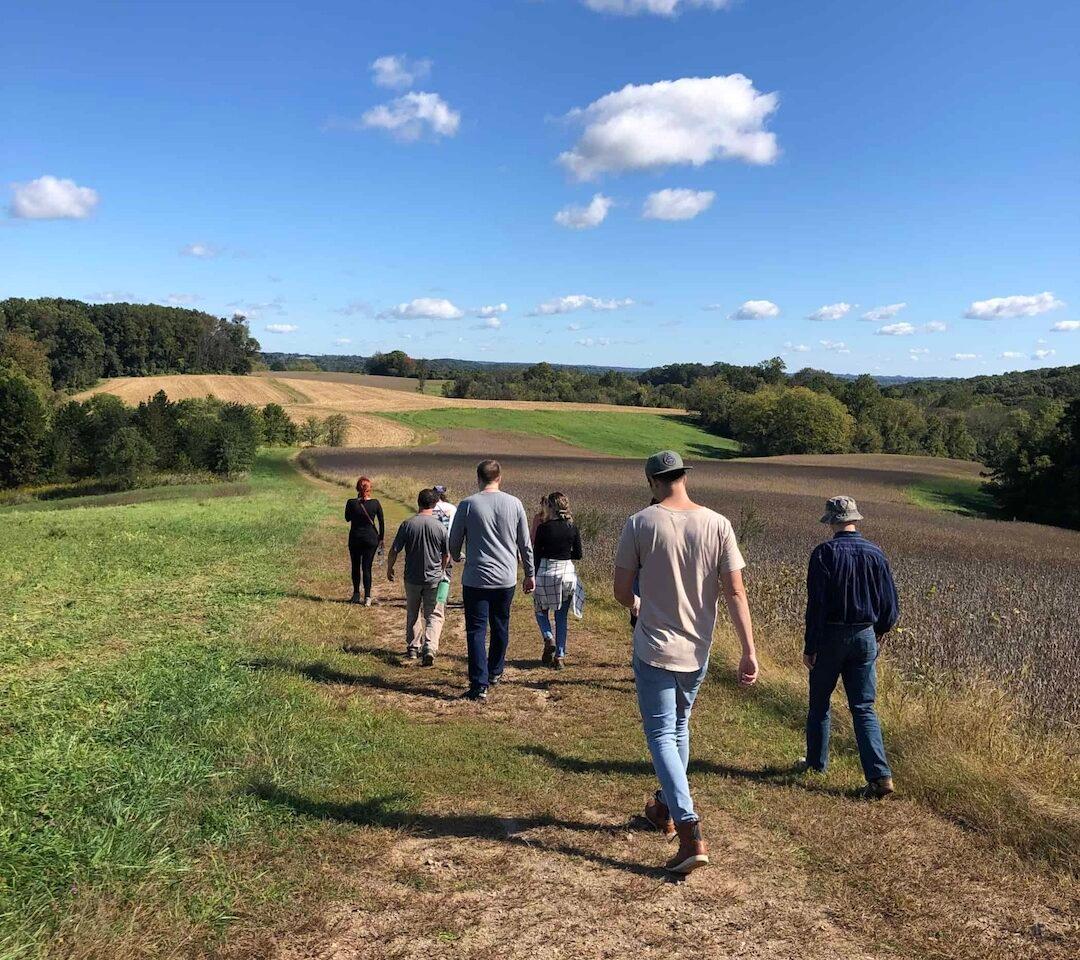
<point>612,433</point>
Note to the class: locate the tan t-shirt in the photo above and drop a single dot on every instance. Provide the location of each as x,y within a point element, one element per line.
<point>680,555</point>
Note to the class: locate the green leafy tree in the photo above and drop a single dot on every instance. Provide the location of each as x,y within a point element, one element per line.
<point>126,457</point>
<point>959,443</point>
<point>785,420</point>
<point>278,429</point>
<point>23,427</point>
<point>335,430</point>
<point>156,419</point>
<point>28,355</point>
<point>310,432</point>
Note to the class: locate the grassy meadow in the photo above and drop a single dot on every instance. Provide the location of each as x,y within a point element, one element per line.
<point>612,433</point>
<point>206,753</point>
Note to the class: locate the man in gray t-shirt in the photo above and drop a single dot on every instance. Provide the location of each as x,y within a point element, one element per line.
<point>424,540</point>
<point>494,528</point>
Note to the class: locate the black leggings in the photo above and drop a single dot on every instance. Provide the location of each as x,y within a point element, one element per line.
<point>363,555</point>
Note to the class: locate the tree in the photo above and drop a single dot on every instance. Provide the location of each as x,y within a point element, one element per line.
<point>126,457</point>
<point>29,355</point>
<point>784,420</point>
<point>422,372</point>
<point>278,429</point>
<point>959,443</point>
<point>712,400</point>
<point>23,426</point>
<point>335,429</point>
<point>156,419</point>
<point>310,432</point>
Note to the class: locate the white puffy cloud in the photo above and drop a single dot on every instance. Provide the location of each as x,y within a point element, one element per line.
<point>677,204</point>
<point>491,311</point>
<point>412,115</point>
<point>578,301</point>
<point>831,311</point>
<point>425,308</point>
<point>1008,308</point>
<point>901,329</point>
<point>204,251</point>
<point>835,346</point>
<point>491,323</point>
<point>342,342</point>
<point>584,218</point>
<point>1064,326</point>
<point>797,347</point>
<point>693,120</point>
<point>281,328</point>
<point>1012,355</point>
<point>915,352</point>
<point>752,310</point>
<point>1042,354</point>
<point>965,356</point>
<point>182,299</point>
<point>398,72</point>
<point>887,312</point>
<point>935,326</point>
<point>52,198</point>
<point>662,8</point>
<point>593,342</point>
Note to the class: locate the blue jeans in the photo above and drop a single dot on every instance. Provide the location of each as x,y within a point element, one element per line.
<point>665,698</point>
<point>484,605</point>
<point>562,618</point>
<point>849,653</point>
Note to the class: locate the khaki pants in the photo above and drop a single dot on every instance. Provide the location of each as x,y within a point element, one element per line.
<point>421,598</point>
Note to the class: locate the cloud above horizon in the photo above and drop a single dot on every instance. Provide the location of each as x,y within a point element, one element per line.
<point>1064,326</point>
<point>1009,308</point>
<point>281,328</point>
<point>887,312</point>
<point>660,8</point>
<point>901,329</point>
<point>752,310</point>
<point>677,204</point>
<point>578,301</point>
<point>411,116</point>
<point>831,311</point>
<point>424,308</point>
<point>586,217</point>
<point>52,198</point>
<point>691,121</point>
<point>398,72</point>
<point>203,251</point>
<point>491,311</point>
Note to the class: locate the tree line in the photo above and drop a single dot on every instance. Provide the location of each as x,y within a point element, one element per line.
<point>77,343</point>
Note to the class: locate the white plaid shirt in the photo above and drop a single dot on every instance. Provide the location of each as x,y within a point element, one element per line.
<point>557,581</point>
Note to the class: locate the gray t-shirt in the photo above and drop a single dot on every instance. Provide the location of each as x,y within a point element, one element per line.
<point>495,528</point>
<point>680,556</point>
<point>423,538</point>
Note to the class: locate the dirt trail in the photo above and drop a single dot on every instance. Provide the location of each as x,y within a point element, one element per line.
<point>573,873</point>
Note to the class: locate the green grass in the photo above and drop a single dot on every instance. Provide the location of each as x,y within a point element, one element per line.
<point>613,433</point>
<point>158,715</point>
<point>962,495</point>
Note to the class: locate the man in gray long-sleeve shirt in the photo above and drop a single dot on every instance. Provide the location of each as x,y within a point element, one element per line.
<point>495,528</point>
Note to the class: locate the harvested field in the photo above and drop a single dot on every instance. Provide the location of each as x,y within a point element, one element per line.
<point>404,384</point>
<point>985,602</point>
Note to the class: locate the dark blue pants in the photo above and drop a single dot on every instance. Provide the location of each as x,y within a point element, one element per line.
<point>848,653</point>
<point>484,606</point>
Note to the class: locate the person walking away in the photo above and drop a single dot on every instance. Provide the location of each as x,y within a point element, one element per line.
<point>444,509</point>
<point>851,604</point>
<point>556,545</point>
<point>686,555</point>
<point>492,525</point>
<point>366,534</point>
<point>425,541</point>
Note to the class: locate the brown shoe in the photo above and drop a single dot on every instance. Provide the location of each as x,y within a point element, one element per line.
<point>879,789</point>
<point>656,812</point>
<point>692,852</point>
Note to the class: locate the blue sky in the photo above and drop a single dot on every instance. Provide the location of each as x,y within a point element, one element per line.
<point>762,159</point>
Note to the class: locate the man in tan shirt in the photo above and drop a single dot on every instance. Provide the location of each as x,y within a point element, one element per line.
<point>684,556</point>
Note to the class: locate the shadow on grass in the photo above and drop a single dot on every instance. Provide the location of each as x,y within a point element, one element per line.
<point>392,811</point>
<point>324,673</point>
<point>785,776</point>
<point>707,451</point>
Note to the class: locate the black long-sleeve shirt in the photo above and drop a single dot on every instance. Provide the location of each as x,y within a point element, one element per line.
<point>557,540</point>
<point>370,527</point>
<point>849,582</point>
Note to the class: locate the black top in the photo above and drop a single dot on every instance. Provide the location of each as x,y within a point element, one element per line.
<point>557,540</point>
<point>369,527</point>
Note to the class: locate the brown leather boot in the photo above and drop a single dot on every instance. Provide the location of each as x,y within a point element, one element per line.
<point>879,789</point>
<point>656,812</point>
<point>692,852</point>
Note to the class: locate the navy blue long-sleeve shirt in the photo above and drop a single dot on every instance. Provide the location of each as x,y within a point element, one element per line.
<point>849,582</point>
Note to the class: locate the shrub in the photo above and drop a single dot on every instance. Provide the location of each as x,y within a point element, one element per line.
<point>23,426</point>
<point>125,458</point>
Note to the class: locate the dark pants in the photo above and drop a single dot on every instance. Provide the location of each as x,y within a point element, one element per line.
<point>484,605</point>
<point>849,653</point>
<point>362,555</point>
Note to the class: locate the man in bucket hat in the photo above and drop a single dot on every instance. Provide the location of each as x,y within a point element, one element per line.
<point>851,604</point>
<point>686,557</point>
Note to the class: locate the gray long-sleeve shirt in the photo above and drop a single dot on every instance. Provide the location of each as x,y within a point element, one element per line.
<point>495,528</point>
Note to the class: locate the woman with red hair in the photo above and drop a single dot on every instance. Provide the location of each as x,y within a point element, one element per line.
<point>365,537</point>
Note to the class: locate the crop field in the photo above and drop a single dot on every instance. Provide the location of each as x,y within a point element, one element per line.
<point>984,602</point>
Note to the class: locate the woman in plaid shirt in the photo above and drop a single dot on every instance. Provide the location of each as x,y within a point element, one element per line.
<point>556,545</point>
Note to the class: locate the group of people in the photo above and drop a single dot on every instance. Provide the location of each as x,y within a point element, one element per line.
<point>675,560</point>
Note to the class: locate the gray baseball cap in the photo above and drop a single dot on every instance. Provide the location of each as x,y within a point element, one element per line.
<point>665,462</point>
<point>841,510</point>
